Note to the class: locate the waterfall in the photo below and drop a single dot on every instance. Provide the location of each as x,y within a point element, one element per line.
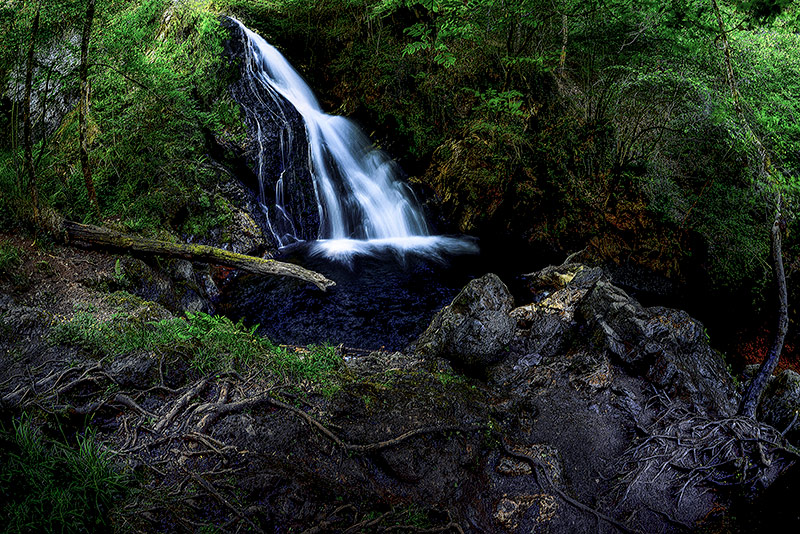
<point>362,204</point>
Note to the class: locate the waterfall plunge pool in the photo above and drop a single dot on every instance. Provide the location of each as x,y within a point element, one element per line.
<point>385,295</point>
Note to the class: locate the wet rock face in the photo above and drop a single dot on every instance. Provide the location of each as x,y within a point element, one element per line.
<point>243,232</point>
<point>476,329</point>
<point>780,405</point>
<point>667,345</point>
<point>276,151</point>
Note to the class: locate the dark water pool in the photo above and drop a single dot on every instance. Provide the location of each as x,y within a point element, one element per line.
<point>382,300</point>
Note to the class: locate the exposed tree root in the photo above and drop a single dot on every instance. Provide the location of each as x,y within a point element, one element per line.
<point>548,485</point>
<point>179,405</point>
<point>219,497</point>
<point>691,452</point>
<point>167,432</point>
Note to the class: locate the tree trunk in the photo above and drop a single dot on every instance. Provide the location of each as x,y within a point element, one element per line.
<point>83,109</point>
<point>726,50</point>
<point>27,128</point>
<point>564,36</point>
<point>752,396</point>
<point>102,238</point>
<point>755,390</point>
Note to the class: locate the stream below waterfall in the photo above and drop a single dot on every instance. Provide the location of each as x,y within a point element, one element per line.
<point>383,299</point>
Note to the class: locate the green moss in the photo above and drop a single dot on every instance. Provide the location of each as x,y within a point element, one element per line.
<point>135,308</point>
<point>447,391</point>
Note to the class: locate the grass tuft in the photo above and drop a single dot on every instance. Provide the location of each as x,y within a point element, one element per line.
<point>10,258</point>
<point>48,486</point>
<point>211,343</point>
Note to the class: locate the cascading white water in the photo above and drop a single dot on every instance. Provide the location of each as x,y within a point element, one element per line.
<point>362,204</point>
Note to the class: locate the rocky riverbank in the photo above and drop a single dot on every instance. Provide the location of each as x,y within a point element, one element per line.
<point>577,411</point>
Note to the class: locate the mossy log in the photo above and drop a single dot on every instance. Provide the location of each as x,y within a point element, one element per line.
<point>104,238</point>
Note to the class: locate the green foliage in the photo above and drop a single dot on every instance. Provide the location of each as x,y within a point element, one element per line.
<point>10,258</point>
<point>211,344</point>
<point>50,486</point>
<point>769,70</point>
<point>206,214</point>
<point>158,90</point>
<point>763,10</point>
<point>83,330</point>
<point>563,122</point>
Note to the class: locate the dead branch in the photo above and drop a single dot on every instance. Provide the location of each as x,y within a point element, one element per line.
<point>366,523</point>
<point>103,238</point>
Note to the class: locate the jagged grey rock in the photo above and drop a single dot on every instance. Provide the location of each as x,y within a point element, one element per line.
<point>666,345</point>
<point>780,405</point>
<point>475,329</point>
<point>546,325</point>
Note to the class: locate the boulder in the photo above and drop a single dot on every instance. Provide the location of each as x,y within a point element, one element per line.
<point>135,370</point>
<point>545,325</point>
<point>177,285</point>
<point>475,329</point>
<point>780,404</point>
<point>666,345</point>
<point>555,277</point>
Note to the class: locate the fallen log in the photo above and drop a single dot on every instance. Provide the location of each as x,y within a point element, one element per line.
<point>104,238</point>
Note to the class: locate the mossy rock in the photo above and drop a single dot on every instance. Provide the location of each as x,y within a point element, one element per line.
<point>136,308</point>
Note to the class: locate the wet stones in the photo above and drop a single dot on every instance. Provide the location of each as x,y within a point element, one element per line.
<point>511,467</point>
<point>545,457</point>
<point>476,329</point>
<point>510,510</point>
<point>668,346</point>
